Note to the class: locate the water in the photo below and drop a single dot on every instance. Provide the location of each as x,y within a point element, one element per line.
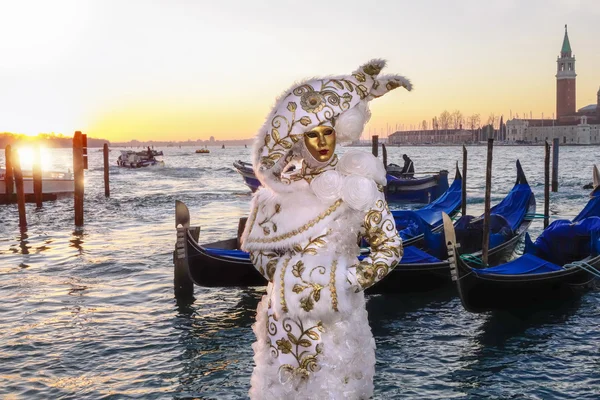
<point>90,314</point>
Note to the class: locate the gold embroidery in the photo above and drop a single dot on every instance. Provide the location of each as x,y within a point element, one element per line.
<point>372,69</point>
<point>258,259</point>
<point>386,246</point>
<point>298,231</point>
<point>299,347</point>
<point>267,220</point>
<point>334,302</point>
<point>307,303</point>
<point>282,290</point>
<point>307,173</point>
<point>308,249</point>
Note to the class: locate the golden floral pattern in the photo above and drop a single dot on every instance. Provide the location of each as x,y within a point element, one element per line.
<point>267,221</point>
<point>265,262</point>
<point>386,246</point>
<point>304,348</point>
<point>307,173</point>
<point>307,302</point>
<point>312,245</point>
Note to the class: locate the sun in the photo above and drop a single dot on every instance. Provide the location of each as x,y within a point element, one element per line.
<point>27,155</point>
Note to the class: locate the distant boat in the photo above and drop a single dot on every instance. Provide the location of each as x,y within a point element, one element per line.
<point>54,184</point>
<point>202,151</point>
<point>223,146</point>
<point>140,159</point>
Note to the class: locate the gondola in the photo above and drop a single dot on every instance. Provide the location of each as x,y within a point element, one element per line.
<point>222,264</point>
<point>412,224</point>
<point>563,261</point>
<point>427,267</point>
<point>402,190</point>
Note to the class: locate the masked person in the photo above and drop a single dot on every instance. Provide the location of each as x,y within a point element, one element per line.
<point>313,336</point>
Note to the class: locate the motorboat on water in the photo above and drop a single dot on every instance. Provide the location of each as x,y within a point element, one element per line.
<point>140,159</point>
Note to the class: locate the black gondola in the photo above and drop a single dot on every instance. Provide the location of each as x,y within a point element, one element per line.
<point>546,271</point>
<point>428,268</point>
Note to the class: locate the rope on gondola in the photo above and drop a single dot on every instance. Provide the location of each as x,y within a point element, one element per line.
<point>585,266</point>
<point>471,258</point>
<point>534,216</point>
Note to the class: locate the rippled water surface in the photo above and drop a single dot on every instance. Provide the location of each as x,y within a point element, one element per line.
<point>90,313</point>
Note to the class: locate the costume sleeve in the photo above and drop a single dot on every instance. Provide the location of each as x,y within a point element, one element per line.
<point>265,262</point>
<point>386,247</point>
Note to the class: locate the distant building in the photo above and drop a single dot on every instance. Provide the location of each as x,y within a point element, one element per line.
<point>570,126</point>
<point>434,136</point>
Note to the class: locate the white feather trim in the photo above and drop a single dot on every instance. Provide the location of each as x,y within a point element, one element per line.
<point>349,125</point>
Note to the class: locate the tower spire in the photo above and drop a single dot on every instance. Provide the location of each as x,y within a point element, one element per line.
<point>565,51</point>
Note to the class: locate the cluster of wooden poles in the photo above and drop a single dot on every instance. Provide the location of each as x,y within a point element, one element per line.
<point>14,179</point>
<point>488,184</point>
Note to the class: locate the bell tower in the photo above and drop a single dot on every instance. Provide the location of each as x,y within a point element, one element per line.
<point>598,106</point>
<point>565,80</point>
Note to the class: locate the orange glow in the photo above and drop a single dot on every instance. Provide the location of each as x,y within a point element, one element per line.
<point>153,71</point>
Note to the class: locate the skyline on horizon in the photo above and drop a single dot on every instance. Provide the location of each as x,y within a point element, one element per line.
<point>190,70</point>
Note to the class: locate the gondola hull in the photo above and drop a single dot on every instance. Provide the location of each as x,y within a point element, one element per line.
<point>210,271</point>
<point>481,293</point>
<point>544,274</point>
<point>419,190</point>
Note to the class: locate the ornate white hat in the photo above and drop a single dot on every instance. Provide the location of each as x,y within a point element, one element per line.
<point>339,101</point>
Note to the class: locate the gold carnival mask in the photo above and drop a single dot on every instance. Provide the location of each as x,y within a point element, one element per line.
<point>320,142</point>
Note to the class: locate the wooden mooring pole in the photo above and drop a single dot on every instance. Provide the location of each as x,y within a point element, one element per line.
<point>384,155</point>
<point>555,143</point>
<point>375,145</point>
<point>8,178</point>
<point>16,164</point>
<point>464,183</point>
<point>37,177</point>
<point>106,179</point>
<point>78,177</point>
<point>546,185</point>
<point>488,192</point>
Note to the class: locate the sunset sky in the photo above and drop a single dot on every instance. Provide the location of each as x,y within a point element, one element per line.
<point>178,70</point>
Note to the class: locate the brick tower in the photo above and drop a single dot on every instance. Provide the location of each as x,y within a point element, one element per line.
<point>565,80</point>
<point>598,106</point>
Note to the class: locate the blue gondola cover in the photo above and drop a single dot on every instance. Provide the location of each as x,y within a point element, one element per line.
<point>526,264</point>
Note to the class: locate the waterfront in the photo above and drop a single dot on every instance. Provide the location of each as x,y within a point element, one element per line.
<point>90,314</point>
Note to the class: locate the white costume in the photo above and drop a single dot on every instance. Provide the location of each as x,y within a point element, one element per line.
<point>313,336</point>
